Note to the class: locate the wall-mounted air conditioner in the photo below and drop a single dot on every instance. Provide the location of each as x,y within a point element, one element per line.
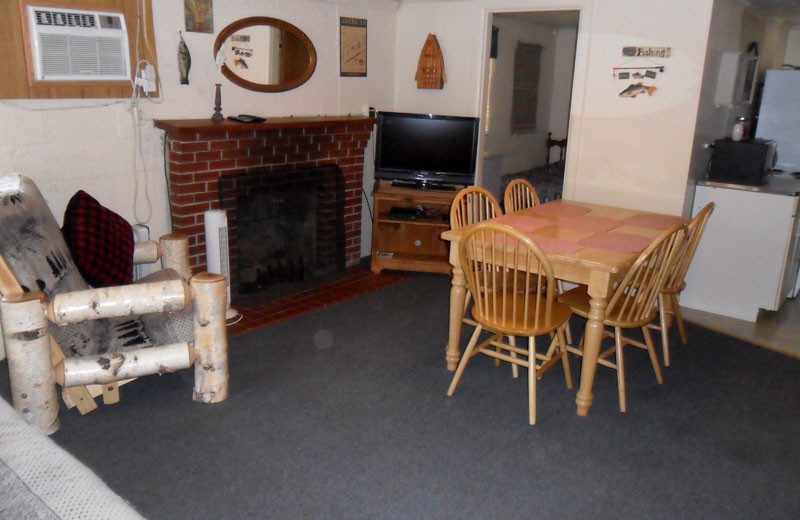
<point>78,45</point>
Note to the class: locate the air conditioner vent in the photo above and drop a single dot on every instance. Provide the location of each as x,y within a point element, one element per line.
<point>65,19</point>
<point>74,45</point>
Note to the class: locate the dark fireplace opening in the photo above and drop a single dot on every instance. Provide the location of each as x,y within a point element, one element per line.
<point>285,231</point>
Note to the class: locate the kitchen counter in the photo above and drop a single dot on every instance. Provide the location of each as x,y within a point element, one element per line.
<point>783,183</point>
<point>748,257</point>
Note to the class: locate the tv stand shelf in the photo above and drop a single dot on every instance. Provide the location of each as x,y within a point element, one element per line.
<point>411,245</point>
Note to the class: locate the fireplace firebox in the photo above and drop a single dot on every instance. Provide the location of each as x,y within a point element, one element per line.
<point>286,230</point>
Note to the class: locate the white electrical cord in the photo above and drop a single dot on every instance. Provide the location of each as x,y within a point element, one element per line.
<point>137,116</point>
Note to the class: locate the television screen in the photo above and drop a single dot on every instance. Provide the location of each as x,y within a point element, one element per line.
<point>426,148</point>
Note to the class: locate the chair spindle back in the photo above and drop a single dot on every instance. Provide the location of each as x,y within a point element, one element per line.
<point>634,298</point>
<point>520,194</point>
<point>500,265</point>
<point>471,205</point>
<point>674,279</point>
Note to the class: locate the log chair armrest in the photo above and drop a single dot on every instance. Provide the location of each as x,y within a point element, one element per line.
<point>118,301</point>
<point>175,254</point>
<point>146,252</point>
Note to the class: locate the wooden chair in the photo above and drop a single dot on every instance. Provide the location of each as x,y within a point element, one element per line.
<point>633,303</point>
<point>471,205</point>
<point>57,329</point>
<point>675,279</point>
<point>562,147</point>
<point>520,194</point>
<point>510,305</point>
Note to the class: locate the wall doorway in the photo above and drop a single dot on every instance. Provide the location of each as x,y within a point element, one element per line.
<point>509,150</point>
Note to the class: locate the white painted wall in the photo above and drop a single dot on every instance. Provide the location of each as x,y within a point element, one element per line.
<point>792,56</point>
<point>628,152</point>
<point>635,152</point>
<point>67,145</point>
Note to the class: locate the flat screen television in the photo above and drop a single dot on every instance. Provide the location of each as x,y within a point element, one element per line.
<point>426,149</point>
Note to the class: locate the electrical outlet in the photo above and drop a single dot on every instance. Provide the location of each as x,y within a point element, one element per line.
<point>146,79</point>
<point>149,76</point>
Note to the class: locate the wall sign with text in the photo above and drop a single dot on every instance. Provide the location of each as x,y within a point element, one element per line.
<point>637,75</point>
<point>353,47</point>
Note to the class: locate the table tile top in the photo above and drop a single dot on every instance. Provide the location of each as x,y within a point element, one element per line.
<point>595,236</point>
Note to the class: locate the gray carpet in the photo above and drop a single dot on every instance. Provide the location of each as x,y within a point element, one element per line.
<point>342,413</point>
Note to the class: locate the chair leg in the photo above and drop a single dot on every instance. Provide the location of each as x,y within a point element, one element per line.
<point>620,370</point>
<point>464,359</point>
<point>467,299</point>
<point>653,358</point>
<point>512,340</point>
<point>532,379</point>
<point>678,317</point>
<point>210,338</point>
<point>30,370</point>
<point>662,314</point>
<point>562,346</point>
<point>567,330</point>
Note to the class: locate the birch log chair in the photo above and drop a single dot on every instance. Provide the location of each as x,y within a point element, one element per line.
<point>56,329</point>
<point>632,304</point>
<point>675,280</point>
<point>507,304</point>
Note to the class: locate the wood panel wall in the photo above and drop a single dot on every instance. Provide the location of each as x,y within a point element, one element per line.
<point>17,80</point>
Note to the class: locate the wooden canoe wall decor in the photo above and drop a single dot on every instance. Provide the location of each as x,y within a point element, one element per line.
<point>430,69</point>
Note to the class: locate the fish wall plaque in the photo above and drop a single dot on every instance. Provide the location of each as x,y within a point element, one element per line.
<point>184,61</point>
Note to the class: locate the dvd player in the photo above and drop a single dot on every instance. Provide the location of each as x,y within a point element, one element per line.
<point>398,213</point>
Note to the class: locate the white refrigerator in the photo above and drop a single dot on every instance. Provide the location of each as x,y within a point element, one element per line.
<point>779,116</point>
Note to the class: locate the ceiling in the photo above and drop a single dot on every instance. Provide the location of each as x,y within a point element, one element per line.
<point>786,9</point>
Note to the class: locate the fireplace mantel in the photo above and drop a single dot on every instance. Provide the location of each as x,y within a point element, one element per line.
<point>207,126</point>
<point>200,151</point>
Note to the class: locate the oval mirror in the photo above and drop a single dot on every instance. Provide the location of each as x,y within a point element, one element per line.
<point>265,54</point>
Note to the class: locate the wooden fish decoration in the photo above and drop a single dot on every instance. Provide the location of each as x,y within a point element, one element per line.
<point>635,90</point>
<point>184,61</point>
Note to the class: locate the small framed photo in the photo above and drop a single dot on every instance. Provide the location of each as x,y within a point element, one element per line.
<point>353,47</point>
<point>199,15</point>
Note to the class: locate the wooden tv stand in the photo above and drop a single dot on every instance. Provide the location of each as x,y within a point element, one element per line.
<point>411,245</point>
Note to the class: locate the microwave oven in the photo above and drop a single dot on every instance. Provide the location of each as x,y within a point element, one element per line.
<point>741,162</point>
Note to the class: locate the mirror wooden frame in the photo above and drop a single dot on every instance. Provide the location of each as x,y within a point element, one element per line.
<point>272,22</point>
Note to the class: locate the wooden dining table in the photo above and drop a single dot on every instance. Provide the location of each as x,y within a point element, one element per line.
<point>586,243</point>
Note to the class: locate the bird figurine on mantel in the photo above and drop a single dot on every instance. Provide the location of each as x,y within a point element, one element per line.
<point>430,69</point>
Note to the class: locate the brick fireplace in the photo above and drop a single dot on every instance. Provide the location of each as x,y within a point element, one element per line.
<point>199,151</point>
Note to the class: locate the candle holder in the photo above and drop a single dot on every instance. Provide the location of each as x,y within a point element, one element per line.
<point>218,104</point>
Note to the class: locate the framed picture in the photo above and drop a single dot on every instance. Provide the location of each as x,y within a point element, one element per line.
<point>353,47</point>
<point>199,15</point>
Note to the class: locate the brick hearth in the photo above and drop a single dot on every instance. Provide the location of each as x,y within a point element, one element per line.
<point>200,151</point>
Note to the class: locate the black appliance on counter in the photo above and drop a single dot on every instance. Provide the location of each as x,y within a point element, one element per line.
<point>741,162</point>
